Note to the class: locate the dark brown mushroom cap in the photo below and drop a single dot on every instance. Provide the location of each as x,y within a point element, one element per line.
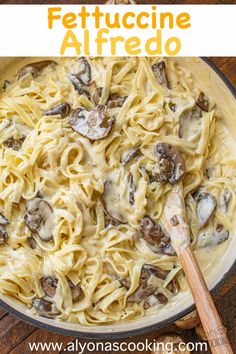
<point>62,109</point>
<point>38,218</point>
<point>35,68</point>
<point>110,201</point>
<point>142,292</point>
<point>14,143</point>
<point>3,235</point>
<point>151,231</point>
<point>203,102</point>
<point>92,124</point>
<point>206,205</point>
<point>49,285</point>
<point>146,290</point>
<point>76,291</point>
<point>45,308</point>
<point>153,234</point>
<point>170,166</point>
<point>116,101</point>
<point>159,70</point>
<point>150,269</point>
<point>149,294</point>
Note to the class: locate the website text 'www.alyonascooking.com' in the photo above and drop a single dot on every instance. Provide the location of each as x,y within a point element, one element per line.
<point>119,347</point>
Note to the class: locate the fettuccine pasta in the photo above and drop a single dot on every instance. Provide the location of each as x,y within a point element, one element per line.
<point>89,149</point>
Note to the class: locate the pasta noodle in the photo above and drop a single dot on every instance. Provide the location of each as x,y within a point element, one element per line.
<point>86,258</point>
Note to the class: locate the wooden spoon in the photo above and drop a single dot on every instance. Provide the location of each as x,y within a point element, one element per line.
<point>176,225</point>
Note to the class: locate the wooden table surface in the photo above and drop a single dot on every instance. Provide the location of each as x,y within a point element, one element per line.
<point>15,335</point>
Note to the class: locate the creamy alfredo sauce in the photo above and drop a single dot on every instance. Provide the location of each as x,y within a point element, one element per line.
<point>90,149</point>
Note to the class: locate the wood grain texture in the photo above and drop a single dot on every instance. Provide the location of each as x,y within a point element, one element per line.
<point>207,311</point>
<point>41,335</point>
<point>12,332</point>
<point>16,335</point>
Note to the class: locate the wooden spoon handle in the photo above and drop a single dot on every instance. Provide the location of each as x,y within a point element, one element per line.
<point>211,322</point>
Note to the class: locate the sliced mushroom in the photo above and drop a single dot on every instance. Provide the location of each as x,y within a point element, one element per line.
<point>35,68</point>
<point>32,243</point>
<point>5,85</point>
<point>82,79</point>
<point>62,109</point>
<point>155,299</point>
<point>3,235</point>
<point>45,308</point>
<point>39,218</point>
<point>76,291</point>
<point>3,232</point>
<point>116,101</point>
<point>132,188</point>
<point>189,321</point>
<point>92,124</point>
<point>172,106</point>
<point>123,281</point>
<point>97,95</point>
<point>3,220</point>
<point>153,234</point>
<point>49,285</point>
<point>225,199</point>
<point>142,292</point>
<point>13,143</point>
<point>85,73</point>
<point>159,70</point>
<point>149,269</point>
<point>146,291</point>
<point>163,344</point>
<point>110,201</point>
<point>203,102</point>
<point>79,85</point>
<point>206,205</point>
<point>151,231</point>
<point>190,123</point>
<point>212,236</point>
<point>220,234</point>
<point>170,166</point>
<point>132,153</point>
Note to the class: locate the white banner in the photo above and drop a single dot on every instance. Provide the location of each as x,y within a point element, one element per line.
<point>183,30</point>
